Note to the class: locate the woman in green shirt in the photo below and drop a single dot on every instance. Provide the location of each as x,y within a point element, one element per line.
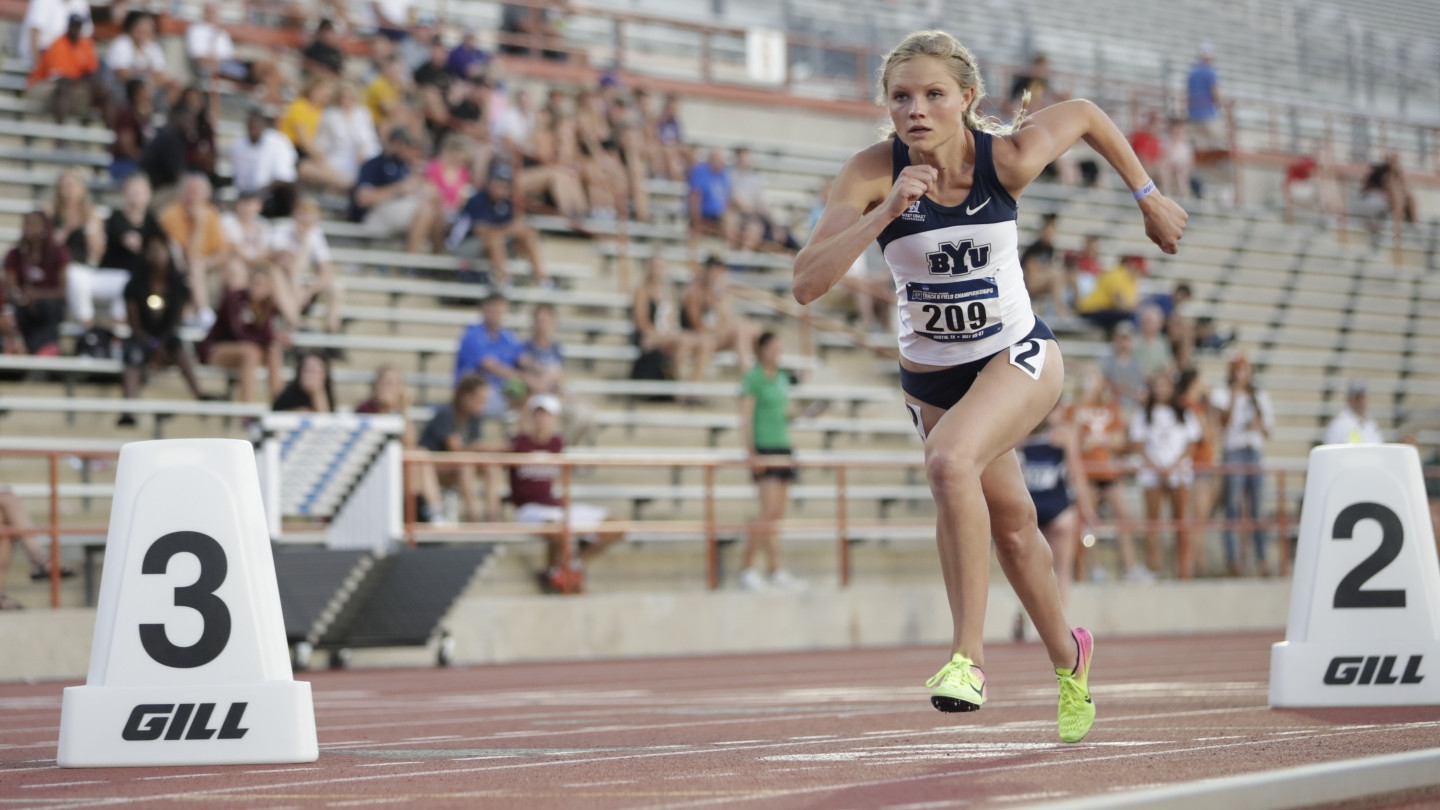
<point>764,424</point>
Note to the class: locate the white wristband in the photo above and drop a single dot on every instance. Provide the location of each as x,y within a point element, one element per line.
<point>1146,191</point>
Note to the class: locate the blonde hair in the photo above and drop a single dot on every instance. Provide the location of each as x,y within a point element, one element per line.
<point>961,64</point>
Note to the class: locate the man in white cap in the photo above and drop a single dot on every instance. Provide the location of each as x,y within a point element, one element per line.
<point>1351,425</point>
<point>532,491</point>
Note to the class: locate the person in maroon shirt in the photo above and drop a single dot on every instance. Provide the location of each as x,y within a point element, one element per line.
<point>244,335</point>
<point>532,491</point>
<point>35,284</point>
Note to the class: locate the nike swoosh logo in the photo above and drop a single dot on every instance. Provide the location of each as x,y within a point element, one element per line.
<point>971,211</point>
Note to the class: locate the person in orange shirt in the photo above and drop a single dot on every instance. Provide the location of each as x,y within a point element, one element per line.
<point>193,223</point>
<point>1100,424</point>
<point>71,61</point>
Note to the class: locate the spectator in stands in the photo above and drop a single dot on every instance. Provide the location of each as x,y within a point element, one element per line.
<point>663,347</point>
<point>1122,371</point>
<point>322,55</point>
<point>129,225</point>
<point>527,136</point>
<point>532,491</point>
<point>433,82</point>
<point>1116,294</point>
<point>311,390</point>
<point>747,200</point>
<point>449,173</point>
<point>709,201</point>
<point>492,350</point>
<point>495,215</point>
<point>246,335</point>
<point>671,136</point>
<point>1103,437</point>
<point>200,145</point>
<point>346,137</point>
<point>193,222</point>
<point>388,395</point>
<point>301,254</point>
<point>212,57</point>
<point>1033,79</point>
<point>1195,395</point>
<point>135,53</point>
<point>542,368</point>
<point>1180,326</point>
<point>133,128</point>
<point>1045,278</point>
<point>14,516</point>
<point>248,235</point>
<point>71,62</point>
<point>388,94</point>
<point>391,200</point>
<point>301,124</point>
<point>46,21</point>
<point>1054,471</point>
<point>162,160</point>
<point>602,147</point>
<point>1351,425</point>
<point>458,427</point>
<point>392,19</point>
<point>1246,421</point>
<point>1310,182</point>
<point>765,431</point>
<point>11,340</point>
<point>264,162</point>
<point>705,312</point>
<point>1088,264</point>
<point>35,284</point>
<point>1164,433</point>
<point>79,228</point>
<point>156,299</point>
<point>1202,94</point>
<point>1146,142</point>
<point>1386,194</point>
<point>467,61</point>
<point>534,27</point>
<point>1152,347</point>
<point>1178,162</point>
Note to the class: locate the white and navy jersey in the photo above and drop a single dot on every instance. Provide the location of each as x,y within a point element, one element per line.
<point>958,285</point>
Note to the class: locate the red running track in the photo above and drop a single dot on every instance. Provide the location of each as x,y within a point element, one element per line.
<point>840,730</point>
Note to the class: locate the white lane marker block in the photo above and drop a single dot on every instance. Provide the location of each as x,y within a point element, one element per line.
<point>188,665</point>
<point>1364,626</point>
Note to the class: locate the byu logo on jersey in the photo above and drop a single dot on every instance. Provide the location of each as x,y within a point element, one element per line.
<point>958,258</point>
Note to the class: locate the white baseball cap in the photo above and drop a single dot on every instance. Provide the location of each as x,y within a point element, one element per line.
<point>544,402</point>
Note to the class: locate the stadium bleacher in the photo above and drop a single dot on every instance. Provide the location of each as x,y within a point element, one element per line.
<point>1313,307</point>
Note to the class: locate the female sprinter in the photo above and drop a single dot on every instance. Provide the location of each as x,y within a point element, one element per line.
<point>978,369</point>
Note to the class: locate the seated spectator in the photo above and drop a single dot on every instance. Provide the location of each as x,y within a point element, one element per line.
<point>531,29</point>
<point>467,61</point>
<point>322,55</point>
<point>432,84</point>
<point>311,390</point>
<point>747,200</point>
<point>389,200</point>
<point>1152,348</point>
<point>14,516</point>
<point>493,351</point>
<point>710,194</point>
<point>1122,370</point>
<point>532,491</point>
<point>133,130</point>
<point>346,137</point>
<point>671,136</point>
<point>48,20</point>
<point>1116,294</point>
<point>301,124</point>
<point>1385,193</point>
<point>392,19</point>
<point>245,335</point>
<point>388,395</point>
<point>495,215</point>
<point>135,53</point>
<point>608,183</point>
<point>1148,146</point>
<point>212,56</point>
<point>656,333</point>
<point>35,284</point>
<point>200,145</point>
<point>162,160</point>
<point>1178,162</point>
<point>705,312</point>
<point>12,341</point>
<point>1180,326</point>
<point>528,136</point>
<point>264,162</point>
<point>1310,182</point>
<point>72,64</point>
<point>155,299</point>
<point>302,256</point>
<point>449,173</point>
<point>458,427</point>
<point>1165,433</point>
<point>79,228</point>
<point>387,96</point>
<point>1045,277</point>
<point>542,368</point>
<point>193,223</point>
<point>249,236</point>
<point>1351,425</point>
<point>129,225</point>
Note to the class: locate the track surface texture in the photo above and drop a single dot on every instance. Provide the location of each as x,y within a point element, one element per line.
<point>839,730</point>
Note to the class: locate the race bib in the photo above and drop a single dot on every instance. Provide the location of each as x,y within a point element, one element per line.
<point>954,310</point>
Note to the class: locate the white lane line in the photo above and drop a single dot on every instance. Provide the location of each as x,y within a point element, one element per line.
<point>937,805</point>
<point>282,770</point>
<point>67,784</point>
<point>174,776</point>
<point>600,784</point>
<point>392,764</point>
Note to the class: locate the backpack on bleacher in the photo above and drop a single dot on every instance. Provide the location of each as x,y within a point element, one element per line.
<point>653,365</point>
<point>99,343</point>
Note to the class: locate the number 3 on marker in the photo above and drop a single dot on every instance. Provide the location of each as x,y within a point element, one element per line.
<point>198,596</point>
<point>1392,538</point>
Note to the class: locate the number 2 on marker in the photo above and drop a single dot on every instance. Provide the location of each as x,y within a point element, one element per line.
<point>1392,538</point>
